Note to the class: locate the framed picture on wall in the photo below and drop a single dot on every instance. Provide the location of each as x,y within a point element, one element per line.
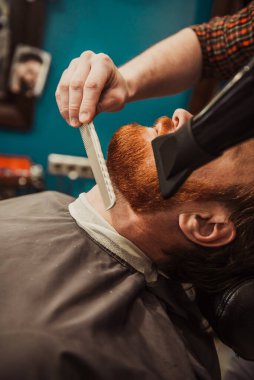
<point>29,71</point>
<point>23,23</point>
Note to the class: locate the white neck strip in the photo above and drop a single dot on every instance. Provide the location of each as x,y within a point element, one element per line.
<point>98,228</point>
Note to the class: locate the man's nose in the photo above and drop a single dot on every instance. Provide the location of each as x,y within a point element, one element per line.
<point>180,117</point>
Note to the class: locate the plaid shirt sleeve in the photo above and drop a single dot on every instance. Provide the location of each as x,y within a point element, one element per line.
<point>227,43</point>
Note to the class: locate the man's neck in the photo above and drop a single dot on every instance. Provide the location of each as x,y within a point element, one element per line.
<point>152,233</point>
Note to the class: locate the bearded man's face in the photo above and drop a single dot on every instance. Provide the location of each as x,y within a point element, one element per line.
<point>133,172</point>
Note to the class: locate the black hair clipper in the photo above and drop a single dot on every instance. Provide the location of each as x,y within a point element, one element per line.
<point>226,121</point>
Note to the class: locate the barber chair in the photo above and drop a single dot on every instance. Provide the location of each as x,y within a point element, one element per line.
<point>231,315</point>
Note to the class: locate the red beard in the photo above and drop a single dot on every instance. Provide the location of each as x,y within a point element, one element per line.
<point>132,168</point>
<point>133,172</point>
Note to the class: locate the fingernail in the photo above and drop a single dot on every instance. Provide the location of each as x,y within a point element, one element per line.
<point>75,122</point>
<point>84,117</point>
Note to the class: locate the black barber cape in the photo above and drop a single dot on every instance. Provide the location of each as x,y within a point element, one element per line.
<point>70,309</point>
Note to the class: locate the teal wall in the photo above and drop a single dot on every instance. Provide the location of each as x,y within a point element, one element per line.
<point>120,28</point>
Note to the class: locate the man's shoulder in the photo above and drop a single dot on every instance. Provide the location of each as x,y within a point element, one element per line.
<point>42,196</point>
<point>44,202</point>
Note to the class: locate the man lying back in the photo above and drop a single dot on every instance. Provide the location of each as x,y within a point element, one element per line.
<point>92,294</point>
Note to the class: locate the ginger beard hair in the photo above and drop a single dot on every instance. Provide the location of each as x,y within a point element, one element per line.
<point>132,169</point>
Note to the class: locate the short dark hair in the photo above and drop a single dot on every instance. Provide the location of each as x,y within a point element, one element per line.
<point>214,270</point>
<point>25,57</point>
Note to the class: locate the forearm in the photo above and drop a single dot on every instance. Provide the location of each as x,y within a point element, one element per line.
<point>166,68</point>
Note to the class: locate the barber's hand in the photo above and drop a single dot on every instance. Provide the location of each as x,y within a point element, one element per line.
<point>90,85</point>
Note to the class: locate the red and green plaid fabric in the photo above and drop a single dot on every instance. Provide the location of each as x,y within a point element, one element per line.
<point>227,43</point>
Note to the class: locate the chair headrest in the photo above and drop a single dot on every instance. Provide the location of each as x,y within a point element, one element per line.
<point>231,315</point>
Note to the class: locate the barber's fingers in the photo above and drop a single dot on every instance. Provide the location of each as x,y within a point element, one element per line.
<point>100,80</point>
<point>90,85</point>
<point>76,86</point>
<point>62,91</point>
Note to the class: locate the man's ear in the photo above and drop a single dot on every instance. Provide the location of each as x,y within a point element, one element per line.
<point>208,229</point>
